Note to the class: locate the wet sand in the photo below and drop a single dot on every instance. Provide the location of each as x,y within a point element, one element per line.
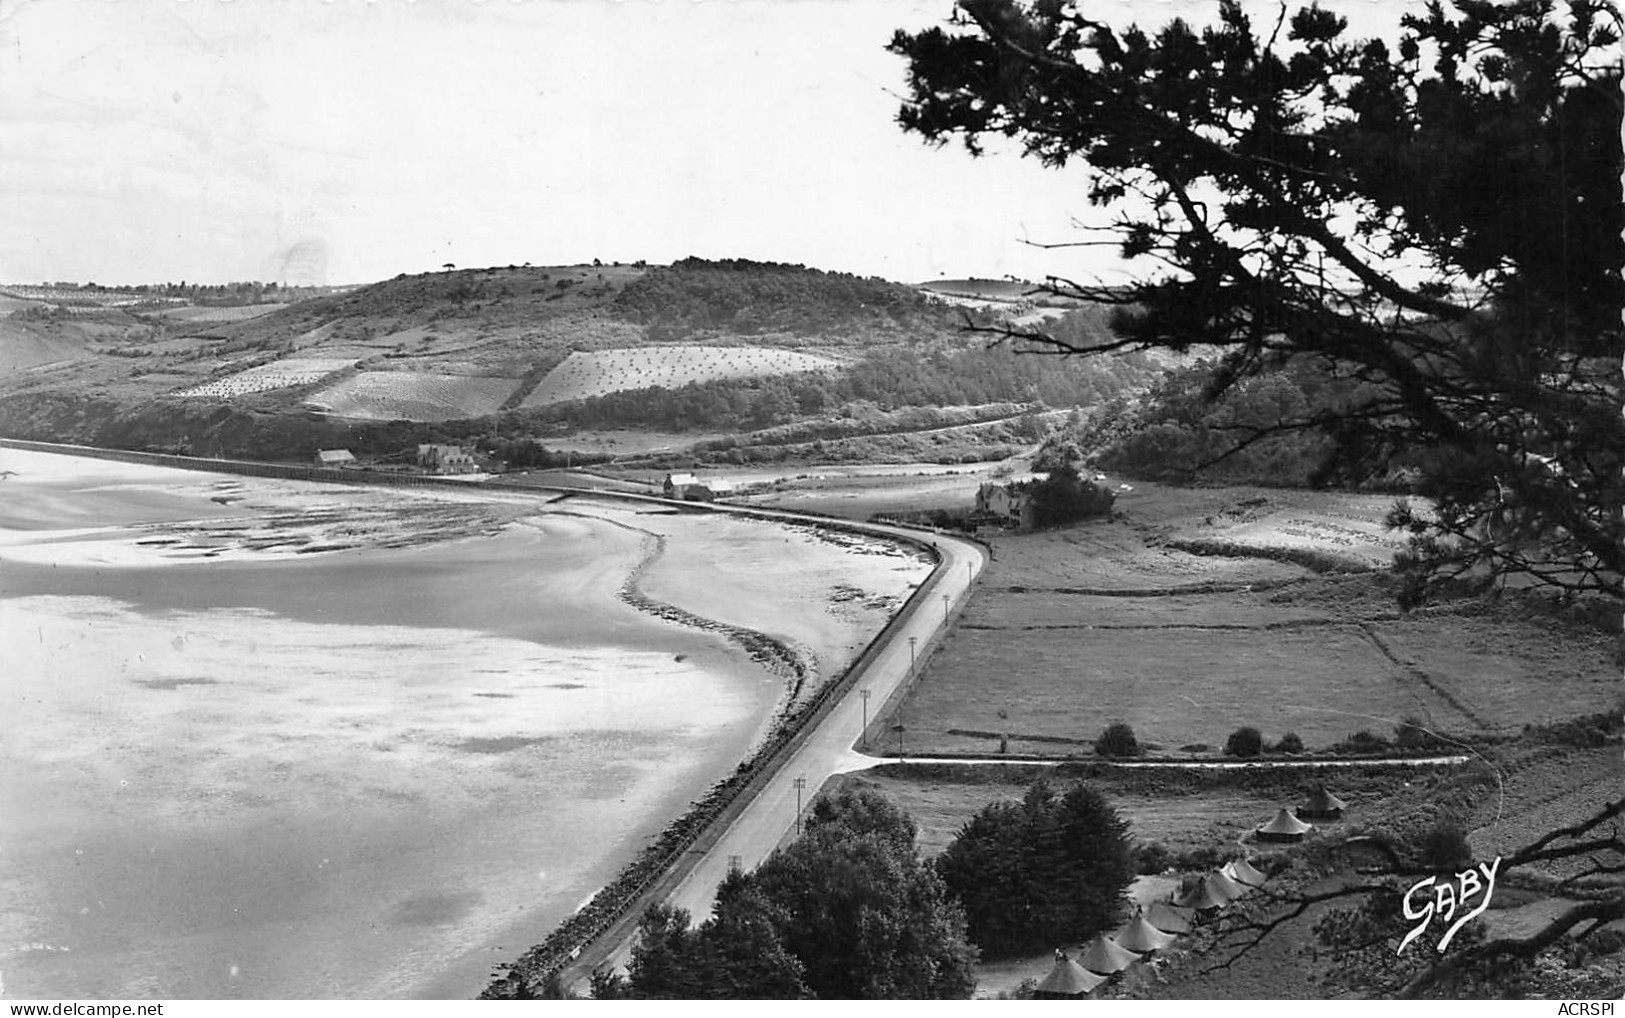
<point>373,772</point>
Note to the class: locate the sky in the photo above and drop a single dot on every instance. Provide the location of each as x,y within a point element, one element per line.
<point>345,141</point>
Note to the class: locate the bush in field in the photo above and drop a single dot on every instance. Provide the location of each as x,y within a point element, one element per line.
<point>1151,858</point>
<point>1443,847</point>
<point>1043,871</point>
<point>1118,740</point>
<point>1290,743</point>
<point>1244,742</point>
<point>1363,741</point>
<point>1412,733</point>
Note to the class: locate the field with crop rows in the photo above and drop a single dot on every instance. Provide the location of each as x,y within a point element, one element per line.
<point>413,396</point>
<point>584,375</point>
<point>240,313</point>
<point>276,375</point>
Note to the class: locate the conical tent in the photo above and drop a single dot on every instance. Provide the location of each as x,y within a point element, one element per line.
<point>1285,827</point>
<point>1322,805</point>
<point>1105,957</point>
<point>1243,872</point>
<point>1169,918</point>
<point>1224,885</point>
<point>1140,936</point>
<point>1067,979</point>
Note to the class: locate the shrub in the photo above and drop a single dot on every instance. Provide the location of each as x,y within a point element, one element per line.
<point>1363,741</point>
<point>1204,858</point>
<point>1444,847</point>
<point>1118,740</point>
<point>1412,733</point>
<point>1151,858</point>
<point>1244,742</point>
<point>1290,743</point>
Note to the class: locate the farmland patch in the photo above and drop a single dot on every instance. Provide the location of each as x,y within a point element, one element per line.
<point>237,313</point>
<point>276,375</point>
<point>1509,670</point>
<point>413,396</point>
<point>587,374</point>
<point>1176,686</point>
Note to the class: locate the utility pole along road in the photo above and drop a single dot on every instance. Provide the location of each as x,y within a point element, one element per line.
<point>827,747</point>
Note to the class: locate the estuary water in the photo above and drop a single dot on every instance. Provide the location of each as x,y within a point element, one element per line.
<point>229,769</point>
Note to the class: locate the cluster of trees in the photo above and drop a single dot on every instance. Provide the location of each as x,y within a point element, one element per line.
<point>1175,432</point>
<point>526,453</point>
<point>848,910</point>
<point>1065,497</point>
<point>1048,870</point>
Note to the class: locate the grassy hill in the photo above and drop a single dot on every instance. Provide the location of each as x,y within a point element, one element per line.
<point>719,346</point>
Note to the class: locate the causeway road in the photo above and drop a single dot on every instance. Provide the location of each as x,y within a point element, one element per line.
<point>831,745</point>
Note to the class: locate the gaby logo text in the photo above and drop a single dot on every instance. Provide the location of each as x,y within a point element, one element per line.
<point>1431,897</point>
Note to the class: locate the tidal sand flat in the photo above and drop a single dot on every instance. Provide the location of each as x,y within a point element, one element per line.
<point>368,772</point>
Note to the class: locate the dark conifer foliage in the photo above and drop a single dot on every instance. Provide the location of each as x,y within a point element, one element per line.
<point>1036,874</point>
<point>1437,219</point>
<point>846,911</point>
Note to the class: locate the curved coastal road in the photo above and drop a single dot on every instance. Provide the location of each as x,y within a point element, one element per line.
<point>827,746</point>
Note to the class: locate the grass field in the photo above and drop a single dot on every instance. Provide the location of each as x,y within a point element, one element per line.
<point>1073,629</point>
<point>598,373</point>
<point>413,396</point>
<point>1176,684</point>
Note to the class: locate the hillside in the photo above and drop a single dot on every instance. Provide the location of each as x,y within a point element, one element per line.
<point>721,346</point>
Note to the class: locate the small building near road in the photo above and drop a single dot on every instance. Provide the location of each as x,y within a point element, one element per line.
<point>1004,505</point>
<point>677,485</point>
<point>335,458</point>
<point>446,459</point>
<point>689,488</point>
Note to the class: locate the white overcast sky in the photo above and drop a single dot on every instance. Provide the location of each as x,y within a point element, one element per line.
<point>160,140</point>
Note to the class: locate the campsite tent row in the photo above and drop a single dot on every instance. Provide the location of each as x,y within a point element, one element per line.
<point>1147,932</point>
<point>1154,929</point>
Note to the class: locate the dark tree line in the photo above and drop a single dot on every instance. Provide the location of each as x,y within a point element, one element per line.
<point>1175,432</point>
<point>901,377</point>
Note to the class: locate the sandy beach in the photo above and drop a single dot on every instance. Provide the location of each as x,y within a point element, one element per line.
<point>375,768</point>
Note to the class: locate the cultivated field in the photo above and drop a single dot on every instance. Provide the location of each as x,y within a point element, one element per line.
<point>585,375</point>
<point>209,315</point>
<point>1115,620</point>
<point>276,375</point>
<point>413,396</point>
